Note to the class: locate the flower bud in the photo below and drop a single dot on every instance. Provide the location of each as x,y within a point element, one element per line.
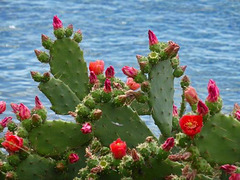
<point>107,86</point>
<point>175,111</point>
<point>36,120</point>
<point>185,81</point>
<point>42,56</point>
<point>132,84</point>
<point>24,112</point>
<point>46,42</point>
<point>10,175</point>
<point>95,114</point>
<point>96,169</point>
<point>73,158</point>
<point>86,128</point>
<point>5,121</point>
<point>92,78</point>
<point>172,49</point>
<point>109,73</point>
<point>168,144</point>
<point>2,106</point>
<point>61,166</point>
<point>57,23</point>
<point>38,103</point>
<point>178,72</point>
<point>152,38</point>
<point>191,95</point>
<point>69,30</point>
<point>46,77</point>
<point>36,76</point>
<point>135,155</point>
<point>97,67</point>
<point>202,109</point>
<point>213,91</point>
<point>237,115</point>
<point>129,71</point>
<point>78,36</point>
<point>229,168</point>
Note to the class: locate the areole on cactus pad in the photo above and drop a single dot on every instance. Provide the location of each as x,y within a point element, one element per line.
<point>108,139</point>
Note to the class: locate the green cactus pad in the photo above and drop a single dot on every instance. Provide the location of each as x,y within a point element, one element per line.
<point>141,108</point>
<point>60,95</point>
<point>55,137</point>
<point>161,96</point>
<point>219,139</point>
<point>68,65</point>
<point>120,122</point>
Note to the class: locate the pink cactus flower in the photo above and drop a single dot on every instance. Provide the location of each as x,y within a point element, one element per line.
<point>38,104</point>
<point>172,49</point>
<point>152,38</point>
<point>229,168</point>
<point>132,84</point>
<point>237,115</point>
<point>168,144</point>
<point>15,108</point>
<point>2,106</point>
<point>109,73</point>
<point>175,111</point>
<point>5,121</point>
<point>234,176</point>
<point>213,91</point>
<point>93,78</point>
<point>129,71</point>
<point>191,95</point>
<point>73,157</point>
<point>57,23</point>
<point>107,86</point>
<point>202,109</point>
<point>24,112</point>
<point>86,128</point>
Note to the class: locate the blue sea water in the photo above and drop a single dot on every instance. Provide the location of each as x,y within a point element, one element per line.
<point>208,32</point>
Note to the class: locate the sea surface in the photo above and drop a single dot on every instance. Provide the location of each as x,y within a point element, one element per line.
<point>208,32</point>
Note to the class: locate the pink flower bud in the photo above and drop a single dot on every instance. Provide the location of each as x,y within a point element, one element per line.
<point>86,128</point>
<point>213,91</point>
<point>107,86</point>
<point>15,108</point>
<point>24,112</point>
<point>132,84</point>
<point>234,176</point>
<point>138,57</point>
<point>2,106</point>
<point>129,71</point>
<point>229,168</point>
<point>72,158</point>
<point>44,38</point>
<point>168,144</point>
<point>38,104</point>
<point>135,155</point>
<point>37,52</point>
<point>152,38</point>
<point>92,78</point>
<point>172,49</point>
<point>5,121</point>
<point>191,95</point>
<point>57,23</point>
<point>109,73</point>
<point>202,109</point>
<point>70,26</point>
<point>183,68</point>
<point>175,111</point>
<point>237,115</point>
<point>79,31</point>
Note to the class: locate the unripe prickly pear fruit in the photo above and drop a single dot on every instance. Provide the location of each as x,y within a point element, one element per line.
<point>97,95</point>
<point>12,126</point>
<point>119,100</point>
<point>145,86</point>
<point>95,114</point>
<point>185,82</point>
<point>69,30</point>
<point>27,124</point>
<point>104,151</point>
<point>143,63</point>
<point>36,76</point>
<point>95,145</point>
<point>89,102</point>
<point>36,120</point>
<point>5,167</point>
<point>13,160</point>
<point>141,97</point>
<point>178,72</point>
<point>82,110</point>
<point>22,132</point>
<point>153,57</point>
<point>175,62</point>
<point>46,77</point>
<point>42,56</point>
<point>46,42</point>
<point>77,36</point>
<point>92,162</point>
<point>140,77</point>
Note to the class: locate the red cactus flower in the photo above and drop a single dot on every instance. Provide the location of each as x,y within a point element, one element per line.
<point>2,106</point>
<point>57,23</point>
<point>38,104</point>
<point>152,38</point>
<point>109,73</point>
<point>24,112</point>
<point>12,142</point>
<point>97,67</point>
<point>118,148</point>
<point>175,111</point>
<point>172,49</point>
<point>168,144</point>
<point>213,91</point>
<point>234,176</point>
<point>191,95</point>
<point>132,84</point>
<point>73,157</point>
<point>5,121</point>
<point>191,124</point>
<point>202,109</point>
<point>130,71</point>
<point>86,128</point>
<point>229,168</point>
<point>107,86</point>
